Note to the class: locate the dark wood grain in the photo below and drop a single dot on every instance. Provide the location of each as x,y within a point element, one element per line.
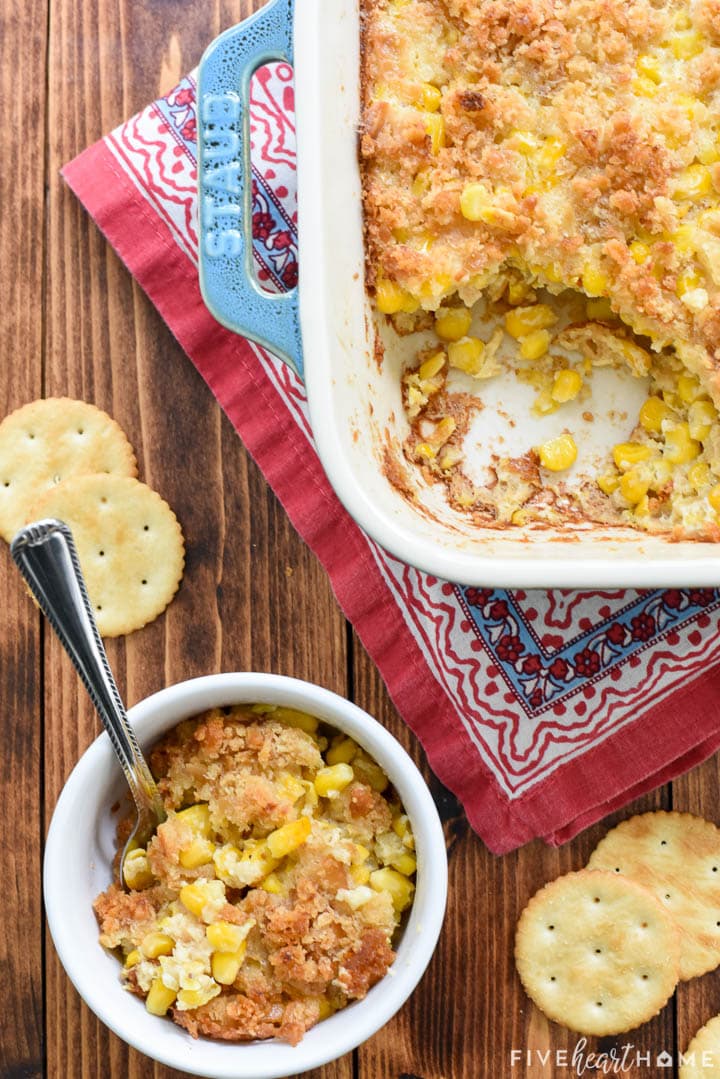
<point>23,45</point>
<point>253,596</point>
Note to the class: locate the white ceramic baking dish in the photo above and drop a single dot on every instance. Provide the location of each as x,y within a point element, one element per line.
<point>355,402</point>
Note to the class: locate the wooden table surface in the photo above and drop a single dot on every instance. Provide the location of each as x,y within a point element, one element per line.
<point>73,322</point>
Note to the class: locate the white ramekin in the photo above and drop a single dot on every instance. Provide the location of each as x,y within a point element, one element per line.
<point>78,856</point>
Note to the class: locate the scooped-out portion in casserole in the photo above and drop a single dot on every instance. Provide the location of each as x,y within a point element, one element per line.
<point>272,894</point>
<point>541,186</point>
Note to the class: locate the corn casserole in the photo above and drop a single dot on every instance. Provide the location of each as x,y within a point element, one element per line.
<point>271,895</point>
<point>541,187</point>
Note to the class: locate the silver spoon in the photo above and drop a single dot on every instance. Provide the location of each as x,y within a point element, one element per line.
<point>45,555</point>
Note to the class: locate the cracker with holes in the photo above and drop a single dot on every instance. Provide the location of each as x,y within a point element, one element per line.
<point>129,543</point>
<point>676,856</point>
<point>46,442</point>
<point>701,1059</point>
<point>597,952</point>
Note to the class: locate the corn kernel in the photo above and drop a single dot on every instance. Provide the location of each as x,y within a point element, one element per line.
<point>429,98</point>
<point>525,142</point>
<point>476,203</point>
<point>273,884</point>
<point>404,863</point>
<point>330,781</point>
<point>435,128</point>
<point>688,281</point>
<point>543,405</point>
<point>467,354</point>
<point>644,87</point>
<point>133,958</point>
<point>341,752</point>
<point>633,487</point>
<point>699,475</point>
<point>425,451</point>
<point>391,299</point>
<point>594,281</point>
<point>292,787</point>
<point>608,484</point>
<point>701,417</point>
<point>652,414</point>
<point>199,853</point>
<point>714,498</point>
<point>639,251</point>
<point>449,456</point>
<point>195,998</point>
<point>599,309</point>
<point>550,153</point>
<point>517,292</point>
<point>535,345</point>
<point>290,836</point>
<point>435,287</point>
<point>225,936</point>
<point>567,385</point>
<point>198,818</point>
<point>401,828</point>
<point>197,895</point>
<point>680,447</point>
<point>688,388</point>
<point>136,870</point>
<point>649,66</point>
<point>155,944</point>
<point>370,773</point>
<point>684,239</point>
<point>225,967</point>
<point>627,454</point>
<point>421,184</point>
<point>360,874</point>
<point>431,366</point>
<point>325,1009</point>
<point>452,323</point>
<point>525,320</point>
<point>292,717</point>
<point>159,998</point>
<point>686,44</point>
<point>399,887</point>
<point>694,182</point>
<point>642,508</point>
<point>708,154</point>
<point>551,272</point>
<point>559,453</point>
<point>257,853</point>
<point>638,359</point>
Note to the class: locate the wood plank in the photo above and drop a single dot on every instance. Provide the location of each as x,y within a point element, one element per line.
<point>697,1000</point>
<point>253,596</point>
<point>23,34</point>
<point>470,1012</point>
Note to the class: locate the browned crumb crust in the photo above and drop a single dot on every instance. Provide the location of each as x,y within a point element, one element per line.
<point>306,946</point>
<point>599,175</point>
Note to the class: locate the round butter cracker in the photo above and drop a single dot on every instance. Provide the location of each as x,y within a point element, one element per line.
<point>129,544</point>
<point>701,1059</point>
<point>48,441</point>
<point>597,952</point>
<point>676,856</point>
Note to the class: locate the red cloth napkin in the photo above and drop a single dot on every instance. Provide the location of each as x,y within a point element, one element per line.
<point>542,711</point>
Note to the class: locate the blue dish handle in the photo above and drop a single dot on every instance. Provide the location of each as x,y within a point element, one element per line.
<point>227,280</point>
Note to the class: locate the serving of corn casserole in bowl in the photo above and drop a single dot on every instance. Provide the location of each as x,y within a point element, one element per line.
<point>509,225</point>
<point>301,872</point>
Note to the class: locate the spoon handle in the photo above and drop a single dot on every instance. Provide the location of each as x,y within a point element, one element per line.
<point>45,555</point>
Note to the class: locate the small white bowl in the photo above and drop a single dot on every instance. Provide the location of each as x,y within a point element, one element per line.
<point>81,844</point>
